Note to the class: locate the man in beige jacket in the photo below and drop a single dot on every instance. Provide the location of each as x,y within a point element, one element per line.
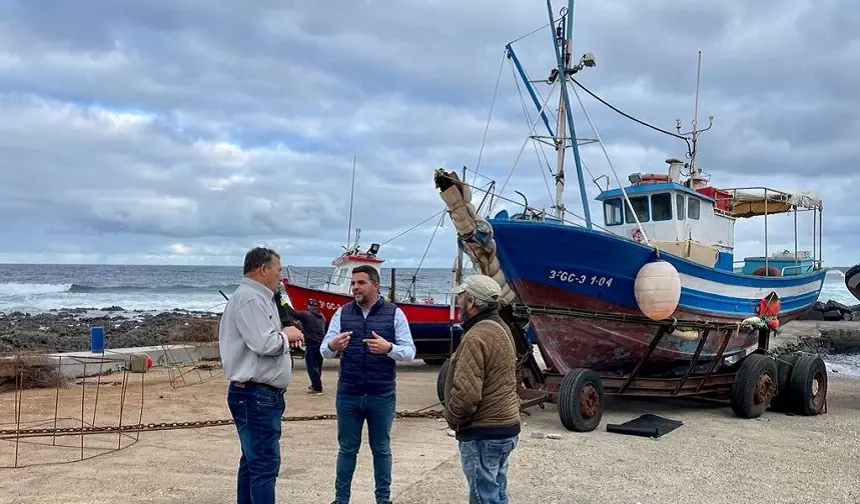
<point>481,401</point>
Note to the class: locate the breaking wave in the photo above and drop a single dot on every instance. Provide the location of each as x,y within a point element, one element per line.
<point>121,289</point>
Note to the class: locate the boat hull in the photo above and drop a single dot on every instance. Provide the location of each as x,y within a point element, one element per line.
<point>572,267</point>
<point>430,324</point>
<point>852,281</point>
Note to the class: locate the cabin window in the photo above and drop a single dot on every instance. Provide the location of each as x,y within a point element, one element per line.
<point>680,207</point>
<point>640,205</point>
<point>661,207</point>
<point>693,208</point>
<point>612,212</point>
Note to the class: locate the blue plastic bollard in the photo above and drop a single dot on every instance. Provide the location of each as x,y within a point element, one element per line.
<point>97,339</point>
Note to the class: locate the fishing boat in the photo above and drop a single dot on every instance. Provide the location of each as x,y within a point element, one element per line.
<point>434,329</point>
<point>852,280</point>
<point>646,301</point>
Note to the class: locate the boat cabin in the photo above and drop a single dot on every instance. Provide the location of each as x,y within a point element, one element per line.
<point>341,277</point>
<point>694,223</point>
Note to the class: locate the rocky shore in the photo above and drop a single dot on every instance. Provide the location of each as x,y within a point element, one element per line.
<point>833,311</point>
<point>69,330</point>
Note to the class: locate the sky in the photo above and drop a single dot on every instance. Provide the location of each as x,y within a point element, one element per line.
<point>186,132</point>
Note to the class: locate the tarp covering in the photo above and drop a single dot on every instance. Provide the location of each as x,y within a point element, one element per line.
<point>751,202</point>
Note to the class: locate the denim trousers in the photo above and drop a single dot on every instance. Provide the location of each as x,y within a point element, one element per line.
<point>257,411</point>
<point>313,363</point>
<point>352,412</point>
<point>485,464</point>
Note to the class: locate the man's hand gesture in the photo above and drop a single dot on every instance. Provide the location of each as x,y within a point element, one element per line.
<point>295,338</point>
<point>339,342</point>
<point>377,344</point>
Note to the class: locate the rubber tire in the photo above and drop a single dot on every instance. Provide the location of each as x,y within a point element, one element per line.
<point>745,382</point>
<point>800,385</point>
<point>784,366</point>
<point>569,407</point>
<point>440,381</point>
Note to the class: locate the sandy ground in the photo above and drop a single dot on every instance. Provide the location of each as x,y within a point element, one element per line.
<point>713,458</point>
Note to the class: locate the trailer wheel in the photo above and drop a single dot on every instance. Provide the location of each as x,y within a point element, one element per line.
<point>807,386</point>
<point>754,386</point>
<point>784,366</point>
<point>440,381</point>
<point>580,400</point>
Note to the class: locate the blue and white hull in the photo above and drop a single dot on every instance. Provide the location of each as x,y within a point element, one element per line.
<point>564,266</point>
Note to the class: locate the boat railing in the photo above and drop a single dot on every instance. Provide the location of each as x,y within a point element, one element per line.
<point>307,277</point>
<point>413,293</point>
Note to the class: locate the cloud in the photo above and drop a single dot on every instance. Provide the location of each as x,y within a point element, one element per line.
<point>156,132</point>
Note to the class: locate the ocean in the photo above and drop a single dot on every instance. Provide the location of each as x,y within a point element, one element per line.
<point>39,288</point>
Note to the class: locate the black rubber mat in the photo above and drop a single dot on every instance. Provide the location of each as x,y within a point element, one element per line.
<point>647,425</point>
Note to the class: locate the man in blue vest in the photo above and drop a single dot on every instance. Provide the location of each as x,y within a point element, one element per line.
<point>369,334</point>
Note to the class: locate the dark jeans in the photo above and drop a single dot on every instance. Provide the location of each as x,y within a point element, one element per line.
<point>257,410</point>
<point>352,411</point>
<point>485,464</point>
<point>314,362</point>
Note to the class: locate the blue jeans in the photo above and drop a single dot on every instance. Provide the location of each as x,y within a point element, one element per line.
<point>485,464</point>
<point>257,411</point>
<point>313,362</point>
<point>352,411</point>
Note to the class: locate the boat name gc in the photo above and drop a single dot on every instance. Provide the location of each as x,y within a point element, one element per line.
<point>566,276</point>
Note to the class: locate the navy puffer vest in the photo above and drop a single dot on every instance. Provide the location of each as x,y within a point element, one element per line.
<point>363,372</point>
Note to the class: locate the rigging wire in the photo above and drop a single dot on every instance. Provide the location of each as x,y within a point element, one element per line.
<point>529,34</point>
<point>628,116</point>
<point>523,148</point>
<point>415,226</point>
<point>489,116</point>
<point>528,121</point>
<point>426,250</point>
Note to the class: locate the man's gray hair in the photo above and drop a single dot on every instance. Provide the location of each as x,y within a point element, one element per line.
<point>482,305</point>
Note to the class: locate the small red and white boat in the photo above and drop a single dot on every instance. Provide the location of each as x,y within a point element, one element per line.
<point>434,329</point>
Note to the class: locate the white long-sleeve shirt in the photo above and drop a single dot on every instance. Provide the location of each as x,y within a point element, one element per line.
<point>403,348</point>
<point>250,340</point>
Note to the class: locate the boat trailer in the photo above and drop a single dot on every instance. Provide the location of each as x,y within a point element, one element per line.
<point>792,383</point>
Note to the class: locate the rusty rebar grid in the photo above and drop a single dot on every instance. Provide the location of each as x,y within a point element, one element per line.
<point>57,392</point>
<point>199,362</point>
<point>191,353</point>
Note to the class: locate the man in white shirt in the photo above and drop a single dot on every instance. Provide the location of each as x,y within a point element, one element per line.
<point>255,353</point>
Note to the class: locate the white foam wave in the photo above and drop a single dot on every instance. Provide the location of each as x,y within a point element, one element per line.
<point>846,366</point>
<point>31,289</point>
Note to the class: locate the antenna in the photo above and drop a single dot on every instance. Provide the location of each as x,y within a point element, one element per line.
<point>351,194</point>
<point>694,132</point>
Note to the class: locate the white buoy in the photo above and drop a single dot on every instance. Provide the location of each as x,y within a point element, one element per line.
<point>657,289</point>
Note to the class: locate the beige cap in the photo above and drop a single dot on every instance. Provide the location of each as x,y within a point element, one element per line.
<point>480,287</point>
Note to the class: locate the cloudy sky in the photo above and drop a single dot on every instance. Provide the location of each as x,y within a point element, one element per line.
<point>185,132</point>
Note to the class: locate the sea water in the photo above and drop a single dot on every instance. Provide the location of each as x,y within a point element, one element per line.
<point>39,288</point>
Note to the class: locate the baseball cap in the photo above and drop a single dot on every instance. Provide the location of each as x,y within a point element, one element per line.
<point>480,287</point>
<point>313,302</point>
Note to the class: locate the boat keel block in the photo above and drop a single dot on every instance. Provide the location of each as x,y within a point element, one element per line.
<point>581,400</point>
<point>647,425</point>
<point>754,386</point>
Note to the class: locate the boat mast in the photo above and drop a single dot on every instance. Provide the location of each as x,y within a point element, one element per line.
<point>351,195</point>
<point>564,71</point>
